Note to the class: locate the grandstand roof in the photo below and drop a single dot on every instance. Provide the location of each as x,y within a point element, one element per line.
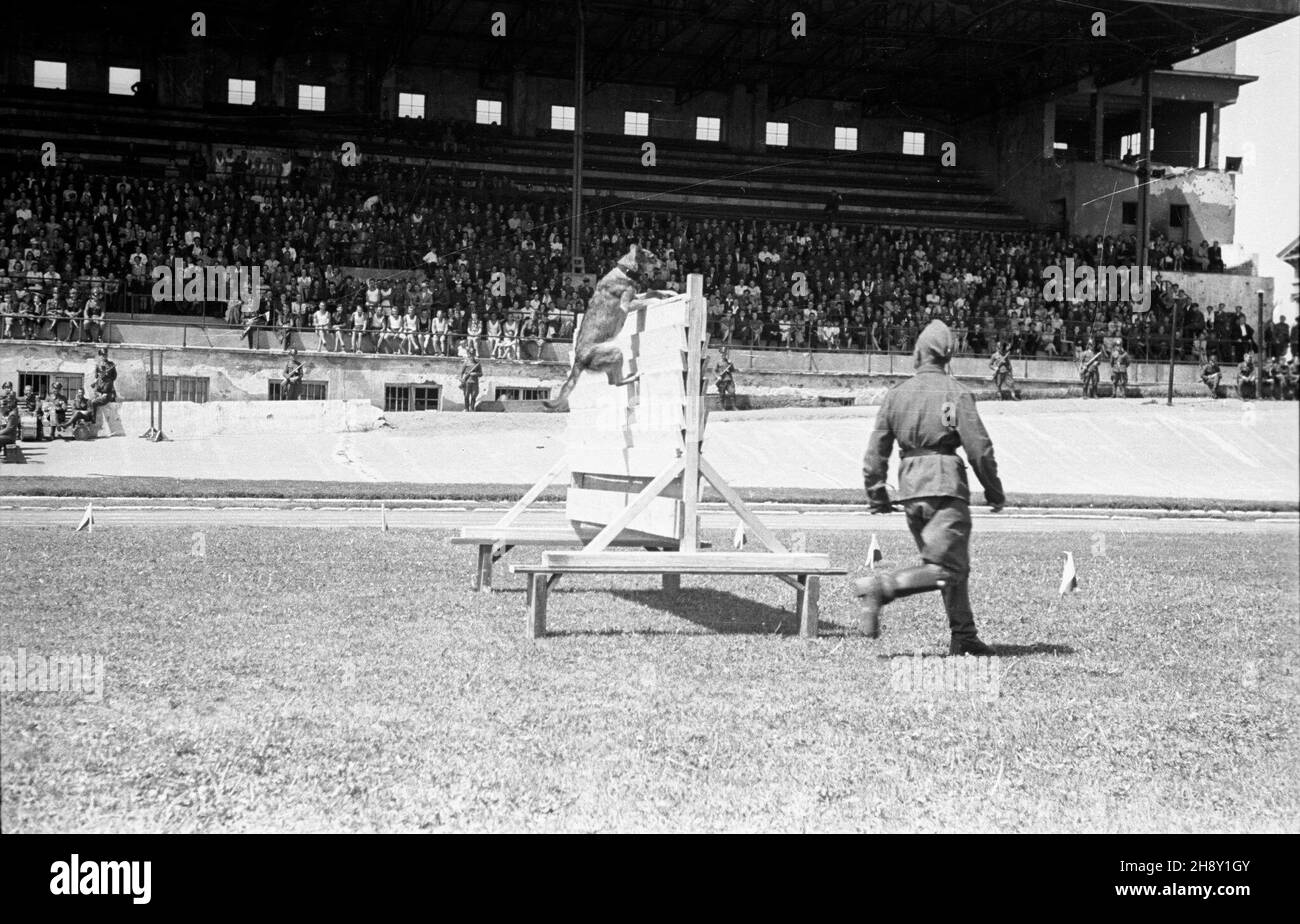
<point>960,56</point>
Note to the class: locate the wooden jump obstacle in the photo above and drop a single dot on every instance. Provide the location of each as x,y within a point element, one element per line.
<point>635,460</point>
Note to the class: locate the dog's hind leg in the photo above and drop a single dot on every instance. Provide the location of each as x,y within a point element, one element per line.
<point>608,358</point>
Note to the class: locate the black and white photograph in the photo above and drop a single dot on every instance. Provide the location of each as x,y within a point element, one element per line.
<point>635,417</point>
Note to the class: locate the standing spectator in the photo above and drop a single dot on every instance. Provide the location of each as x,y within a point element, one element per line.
<point>1281,335</point>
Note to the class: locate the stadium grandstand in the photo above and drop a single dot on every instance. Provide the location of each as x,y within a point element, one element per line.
<point>401,179</point>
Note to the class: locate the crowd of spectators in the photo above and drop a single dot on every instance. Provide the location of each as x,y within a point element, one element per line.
<point>473,257</point>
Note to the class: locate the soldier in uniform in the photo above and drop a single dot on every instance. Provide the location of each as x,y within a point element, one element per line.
<point>725,378</point>
<point>930,415</point>
<point>105,382</point>
<point>1000,363</point>
<point>1089,373</point>
<point>1119,361</point>
<point>292,379</point>
<point>470,373</point>
<point>1211,375</point>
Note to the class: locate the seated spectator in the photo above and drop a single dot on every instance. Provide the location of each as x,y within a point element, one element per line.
<point>321,322</point>
<point>1212,375</point>
<point>11,426</point>
<point>1247,377</point>
<point>81,411</point>
<point>1270,379</point>
<point>359,324</point>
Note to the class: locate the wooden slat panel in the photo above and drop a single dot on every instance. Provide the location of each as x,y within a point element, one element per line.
<point>657,315</point>
<point>642,461</point>
<point>663,517</point>
<point>623,484</point>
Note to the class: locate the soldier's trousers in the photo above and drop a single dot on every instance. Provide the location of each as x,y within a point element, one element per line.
<point>941,529</point>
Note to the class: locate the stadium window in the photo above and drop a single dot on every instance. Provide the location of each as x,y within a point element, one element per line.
<point>488,112</point>
<point>241,92</point>
<point>636,123</point>
<point>176,388</point>
<point>311,97</point>
<point>1060,146</point>
<point>563,118</point>
<point>1128,213</point>
<point>512,393</point>
<point>43,383</point>
<point>410,105</point>
<point>777,134</point>
<point>846,138</point>
<point>1202,127</point>
<point>914,143</point>
<point>407,397</point>
<point>122,79</point>
<point>1130,144</point>
<point>50,75</point>
<point>307,391</point>
<point>708,128</point>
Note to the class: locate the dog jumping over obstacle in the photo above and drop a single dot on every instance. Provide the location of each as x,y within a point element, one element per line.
<point>616,294</point>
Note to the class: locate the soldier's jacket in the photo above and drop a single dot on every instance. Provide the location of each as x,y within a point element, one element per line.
<point>930,415</point>
<point>1119,361</point>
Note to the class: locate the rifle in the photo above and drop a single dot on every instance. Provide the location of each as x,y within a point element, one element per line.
<point>1090,365</point>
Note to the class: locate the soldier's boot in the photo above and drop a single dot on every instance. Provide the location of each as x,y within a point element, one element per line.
<point>876,590</point>
<point>961,621</point>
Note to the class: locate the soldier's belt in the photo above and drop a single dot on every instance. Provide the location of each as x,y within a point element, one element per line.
<point>913,453</point>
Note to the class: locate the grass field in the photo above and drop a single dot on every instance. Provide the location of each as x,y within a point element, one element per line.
<point>300,679</point>
<point>240,490</point>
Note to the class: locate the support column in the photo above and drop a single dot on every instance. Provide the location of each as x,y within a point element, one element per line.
<point>1212,137</point>
<point>579,107</point>
<point>1098,125</point>
<point>1144,174</point>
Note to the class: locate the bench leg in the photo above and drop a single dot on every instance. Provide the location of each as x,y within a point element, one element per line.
<point>483,572</point>
<point>541,585</point>
<point>672,583</point>
<point>806,601</point>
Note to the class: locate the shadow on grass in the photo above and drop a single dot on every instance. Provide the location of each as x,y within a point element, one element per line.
<point>1001,651</point>
<point>718,611</point>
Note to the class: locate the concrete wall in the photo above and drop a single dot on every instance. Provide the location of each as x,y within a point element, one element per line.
<point>243,375</point>
<point>1231,289</point>
<point>241,418</point>
<point>235,374</point>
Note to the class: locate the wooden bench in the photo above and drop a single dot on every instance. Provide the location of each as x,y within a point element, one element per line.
<point>801,570</point>
<point>495,541</point>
